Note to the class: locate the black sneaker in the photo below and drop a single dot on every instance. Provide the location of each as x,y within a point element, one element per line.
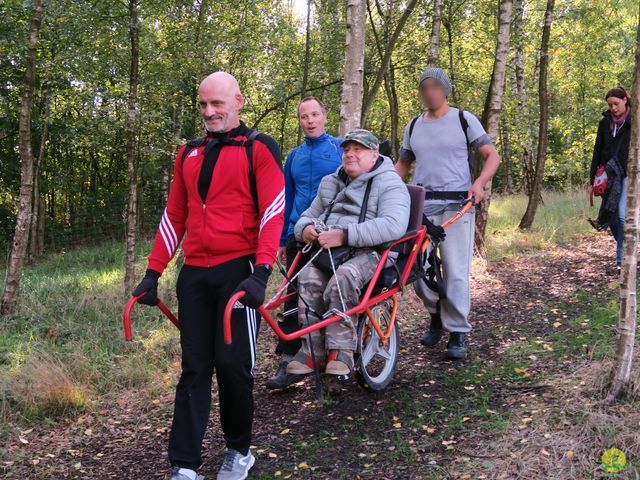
<point>457,346</point>
<point>434,334</point>
<point>282,379</point>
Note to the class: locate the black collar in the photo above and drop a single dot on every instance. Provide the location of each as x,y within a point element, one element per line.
<point>239,131</point>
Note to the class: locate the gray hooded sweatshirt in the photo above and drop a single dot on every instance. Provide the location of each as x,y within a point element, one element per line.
<point>388,208</point>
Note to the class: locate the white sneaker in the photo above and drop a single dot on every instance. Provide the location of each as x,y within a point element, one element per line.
<point>235,465</point>
<point>176,474</point>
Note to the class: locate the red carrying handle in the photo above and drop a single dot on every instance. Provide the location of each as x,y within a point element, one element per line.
<point>226,321</point>
<point>126,316</point>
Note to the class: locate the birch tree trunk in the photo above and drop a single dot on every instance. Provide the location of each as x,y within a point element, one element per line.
<point>351,99</point>
<point>25,200</point>
<point>131,135</point>
<point>505,143</point>
<point>543,92</point>
<point>434,40</point>
<point>522,113</point>
<point>627,316</point>
<point>491,112</point>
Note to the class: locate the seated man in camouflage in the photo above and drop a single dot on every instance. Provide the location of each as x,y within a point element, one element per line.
<point>334,220</point>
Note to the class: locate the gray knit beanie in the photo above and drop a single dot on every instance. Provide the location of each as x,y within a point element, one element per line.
<point>440,75</point>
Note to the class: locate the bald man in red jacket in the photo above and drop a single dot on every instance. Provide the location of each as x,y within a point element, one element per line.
<point>227,196</point>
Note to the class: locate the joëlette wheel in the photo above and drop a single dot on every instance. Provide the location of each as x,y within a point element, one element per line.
<point>376,360</point>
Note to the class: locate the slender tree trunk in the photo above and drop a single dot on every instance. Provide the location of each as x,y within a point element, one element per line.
<point>491,112</point>
<point>386,58</point>
<point>452,73</point>
<point>351,99</point>
<point>34,251</point>
<point>389,77</point>
<point>23,220</point>
<point>307,60</point>
<point>522,113</point>
<point>434,41</point>
<point>173,145</point>
<point>40,227</point>
<point>627,316</point>
<point>394,109</point>
<point>536,188</point>
<point>505,143</point>
<point>131,135</point>
<point>193,122</point>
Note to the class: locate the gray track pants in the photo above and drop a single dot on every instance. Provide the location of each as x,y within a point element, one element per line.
<point>457,253</point>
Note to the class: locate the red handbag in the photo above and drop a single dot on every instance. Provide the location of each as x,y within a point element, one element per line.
<point>599,184</point>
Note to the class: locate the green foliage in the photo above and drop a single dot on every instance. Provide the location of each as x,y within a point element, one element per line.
<point>83,66</point>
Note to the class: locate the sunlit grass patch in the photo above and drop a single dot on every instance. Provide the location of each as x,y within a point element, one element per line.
<point>558,220</point>
<point>69,323</point>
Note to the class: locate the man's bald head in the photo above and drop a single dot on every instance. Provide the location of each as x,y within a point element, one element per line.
<point>221,80</point>
<point>220,102</point>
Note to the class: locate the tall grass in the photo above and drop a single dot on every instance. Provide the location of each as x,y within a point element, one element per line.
<point>64,349</point>
<point>558,220</point>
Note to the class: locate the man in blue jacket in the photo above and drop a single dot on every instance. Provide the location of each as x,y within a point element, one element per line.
<point>307,164</point>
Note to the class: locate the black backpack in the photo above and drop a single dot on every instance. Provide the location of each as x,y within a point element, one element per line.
<point>210,143</point>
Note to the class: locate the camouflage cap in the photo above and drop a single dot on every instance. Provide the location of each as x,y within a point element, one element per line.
<point>363,137</point>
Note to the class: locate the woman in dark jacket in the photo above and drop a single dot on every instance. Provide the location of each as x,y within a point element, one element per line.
<point>611,150</point>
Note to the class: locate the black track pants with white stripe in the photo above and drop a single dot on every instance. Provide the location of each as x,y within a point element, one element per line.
<point>202,295</point>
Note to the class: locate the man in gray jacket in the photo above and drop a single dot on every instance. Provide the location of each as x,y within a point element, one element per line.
<point>332,221</point>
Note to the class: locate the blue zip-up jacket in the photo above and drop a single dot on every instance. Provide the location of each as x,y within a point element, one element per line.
<point>306,165</point>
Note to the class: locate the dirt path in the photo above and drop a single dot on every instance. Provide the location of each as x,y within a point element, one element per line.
<point>435,420</point>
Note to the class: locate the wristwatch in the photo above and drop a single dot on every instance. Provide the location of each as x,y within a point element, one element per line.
<point>267,266</point>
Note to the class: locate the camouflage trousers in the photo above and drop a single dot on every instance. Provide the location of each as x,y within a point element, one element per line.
<point>319,290</point>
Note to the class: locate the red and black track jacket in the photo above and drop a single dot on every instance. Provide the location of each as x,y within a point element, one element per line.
<point>217,210</point>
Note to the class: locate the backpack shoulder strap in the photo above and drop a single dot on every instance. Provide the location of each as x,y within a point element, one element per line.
<point>365,202</point>
<point>248,144</point>
<point>412,125</point>
<point>465,128</point>
<point>190,145</point>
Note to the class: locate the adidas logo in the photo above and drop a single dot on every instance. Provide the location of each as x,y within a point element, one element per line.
<point>193,153</point>
<point>238,305</point>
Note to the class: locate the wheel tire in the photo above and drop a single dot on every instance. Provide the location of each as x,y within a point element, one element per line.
<point>376,377</point>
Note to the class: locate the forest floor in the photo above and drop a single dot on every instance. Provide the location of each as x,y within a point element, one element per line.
<point>525,404</point>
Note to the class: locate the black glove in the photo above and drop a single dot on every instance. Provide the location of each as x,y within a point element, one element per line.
<point>436,232</point>
<point>255,286</point>
<point>149,284</point>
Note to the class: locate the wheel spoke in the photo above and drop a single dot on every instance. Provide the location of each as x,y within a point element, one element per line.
<point>383,352</point>
<point>370,349</point>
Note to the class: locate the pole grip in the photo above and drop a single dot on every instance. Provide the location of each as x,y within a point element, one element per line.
<point>226,322</point>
